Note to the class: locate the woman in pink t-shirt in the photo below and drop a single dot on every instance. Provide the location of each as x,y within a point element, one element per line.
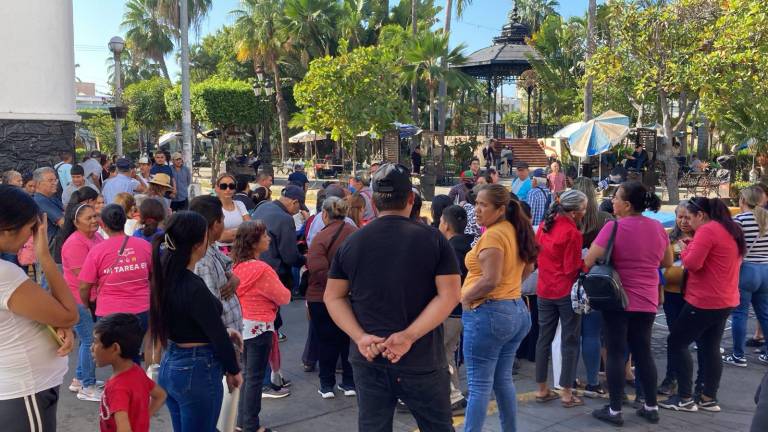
<point>641,246</point>
<point>81,224</point>
<point>117,271</point>
<point>556,179</point>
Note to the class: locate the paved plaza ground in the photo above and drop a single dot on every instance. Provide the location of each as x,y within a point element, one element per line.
<point>304,410</point>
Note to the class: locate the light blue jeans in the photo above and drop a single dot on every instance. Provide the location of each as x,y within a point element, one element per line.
<point>86,367</point>
<point>492,333</point>
<point>753,289</point>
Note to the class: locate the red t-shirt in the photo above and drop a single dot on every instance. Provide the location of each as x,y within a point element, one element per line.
<point>129,392</point>
<point>559,258</point>
<point>713,262</point>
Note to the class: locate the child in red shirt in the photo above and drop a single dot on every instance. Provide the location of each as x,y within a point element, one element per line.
<point>129,396</point>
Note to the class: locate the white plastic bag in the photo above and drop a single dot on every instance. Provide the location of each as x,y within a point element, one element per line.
<point>228,414</point>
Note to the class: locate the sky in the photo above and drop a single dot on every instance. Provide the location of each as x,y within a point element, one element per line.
<point>96,21</point>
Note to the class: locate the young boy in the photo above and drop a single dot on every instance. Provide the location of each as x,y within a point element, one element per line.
<point>129,397</point>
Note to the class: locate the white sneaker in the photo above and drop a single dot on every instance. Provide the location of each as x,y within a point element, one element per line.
<point>76,385</point>
<point>90,393</point>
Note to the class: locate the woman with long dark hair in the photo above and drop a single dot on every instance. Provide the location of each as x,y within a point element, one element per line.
<point>560,242</point>
<point>495,317</point>
<point>152,215</point>
<point>639,249</point>
<point>261,294</point>
<point>185,318</point>
<point>712,260</point>
<point>32,365</point>
<point>439,203</point>
<point>81,224</point>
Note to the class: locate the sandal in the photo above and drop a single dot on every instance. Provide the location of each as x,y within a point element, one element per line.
<point>550,396</point>
<point>573,402</point>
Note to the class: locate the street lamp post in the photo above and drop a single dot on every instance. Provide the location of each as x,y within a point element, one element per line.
<point>116,45</point>
<point>263,89</point>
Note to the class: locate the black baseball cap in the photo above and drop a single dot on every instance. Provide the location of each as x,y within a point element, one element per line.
<point>295,192</point>
<point>391,178</point>
<point>124,164</point>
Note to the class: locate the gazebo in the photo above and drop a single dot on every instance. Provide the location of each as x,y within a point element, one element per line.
<point>502,63</point>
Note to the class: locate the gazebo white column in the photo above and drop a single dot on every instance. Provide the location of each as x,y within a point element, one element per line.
<point>37,82</point>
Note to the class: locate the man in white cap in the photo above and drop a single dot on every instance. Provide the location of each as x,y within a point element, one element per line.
<point>144,167</point>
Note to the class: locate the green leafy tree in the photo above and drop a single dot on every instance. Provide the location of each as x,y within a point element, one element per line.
<point>353,92</point>
<point>534,12</point>
<point>261,40</point>
<point>734,71</point>
<point>216,55</point>
<point>134,68</point>
<point>655,44</point>
<point>101,127</point>
<point>146,106</point>
<point>422,62</point>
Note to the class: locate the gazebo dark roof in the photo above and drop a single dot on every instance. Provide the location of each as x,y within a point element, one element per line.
<point>507,57</point>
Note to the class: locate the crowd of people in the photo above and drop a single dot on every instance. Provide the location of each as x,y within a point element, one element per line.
<point>119,263</point>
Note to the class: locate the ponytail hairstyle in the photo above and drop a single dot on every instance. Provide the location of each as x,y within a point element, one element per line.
<point>113,217</point>
<point>639,197</point>
<point>499,197</point>
<point>570,200</point>
<point>717,211</point>
<point>171,254</point>
<point>85,193</point>
<point>152,214</point>
<point>752,196</point>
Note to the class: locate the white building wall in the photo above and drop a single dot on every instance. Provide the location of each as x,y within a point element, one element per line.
<point>37,71</point>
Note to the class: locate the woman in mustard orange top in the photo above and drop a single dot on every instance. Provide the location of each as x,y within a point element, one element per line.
<point>495,318</point>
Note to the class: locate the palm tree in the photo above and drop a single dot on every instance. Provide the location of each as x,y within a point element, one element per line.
<point>146,33</point>
<point>309,26</point>
<point>169,11</point>
<point>414,88</point>
<point>534,12</point>
<point>134,69</point>
<point>442,93</point>
<point>422,59</point>
<point>354,14</point>
<point>261,40</point>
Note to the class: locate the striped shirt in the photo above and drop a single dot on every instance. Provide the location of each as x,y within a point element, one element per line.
<point>757,248</point>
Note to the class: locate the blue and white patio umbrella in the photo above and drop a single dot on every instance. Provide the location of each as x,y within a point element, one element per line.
<point>599,134</point>
<point>406,130</point>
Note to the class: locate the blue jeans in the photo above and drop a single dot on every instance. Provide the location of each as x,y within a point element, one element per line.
<point>591,325</point>
<point>192,377</point>
<point>753,289</point>
<point>86,367</point>
<point>492,333</point>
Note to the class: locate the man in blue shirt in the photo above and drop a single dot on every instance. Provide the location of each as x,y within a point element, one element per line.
<point>298,177</point>
<point>45,197</point>
<point>183,177</point>
<point>522,184</point>
<point>125,181</point>
<point>62,169</point>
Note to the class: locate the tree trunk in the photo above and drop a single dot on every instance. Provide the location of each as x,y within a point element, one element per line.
<point>443,90</point>
<point>282,110</point>
<point>666,155</point>
<point>703,144</point>
<point>164,67</point>
<point>414,86</point>
<point>590,50</point>
<point>431,108</point>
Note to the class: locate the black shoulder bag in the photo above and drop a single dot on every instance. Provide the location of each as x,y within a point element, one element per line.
<point>602,283</point>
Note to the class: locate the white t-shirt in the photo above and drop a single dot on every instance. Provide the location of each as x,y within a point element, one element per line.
<point>28,360</point>
<point>233,218</point>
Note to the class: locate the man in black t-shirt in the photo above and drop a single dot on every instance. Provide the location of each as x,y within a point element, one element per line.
<point>390,286</point>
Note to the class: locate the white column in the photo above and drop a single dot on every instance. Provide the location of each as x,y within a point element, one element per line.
<point>37,70</point>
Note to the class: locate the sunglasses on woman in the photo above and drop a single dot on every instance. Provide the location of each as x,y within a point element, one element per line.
<point>224,186</point>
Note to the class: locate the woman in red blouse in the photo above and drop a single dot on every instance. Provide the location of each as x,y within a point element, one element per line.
<point>711,292</point>
<point>559,263</point>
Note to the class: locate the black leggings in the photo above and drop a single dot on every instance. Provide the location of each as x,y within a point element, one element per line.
<point>629,329</point>
<point>705,326</point>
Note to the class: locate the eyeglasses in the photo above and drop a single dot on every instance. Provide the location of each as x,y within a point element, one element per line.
<point>224,186</point>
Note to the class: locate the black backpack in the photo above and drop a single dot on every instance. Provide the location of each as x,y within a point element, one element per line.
<point>602,284</point>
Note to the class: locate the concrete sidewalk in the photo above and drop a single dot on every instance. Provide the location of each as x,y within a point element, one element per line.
<point>304,410</point>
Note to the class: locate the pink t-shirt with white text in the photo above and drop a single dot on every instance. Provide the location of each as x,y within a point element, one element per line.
<point>73,254</point>
<point>637,253</point>
<point>122,284</point>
